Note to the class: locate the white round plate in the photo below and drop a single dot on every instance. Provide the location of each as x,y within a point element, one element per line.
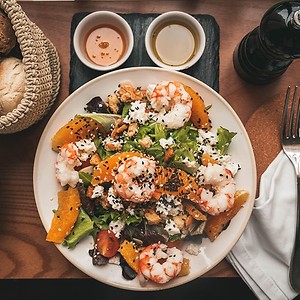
<point>221,114</point>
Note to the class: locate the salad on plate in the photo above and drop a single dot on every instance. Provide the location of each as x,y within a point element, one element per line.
<point>147,176</point>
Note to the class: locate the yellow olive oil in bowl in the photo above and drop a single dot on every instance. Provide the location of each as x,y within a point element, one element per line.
<point>175,40</point>
<point>174,44</point>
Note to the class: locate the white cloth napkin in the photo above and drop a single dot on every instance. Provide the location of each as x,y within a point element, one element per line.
<point>262,254</point>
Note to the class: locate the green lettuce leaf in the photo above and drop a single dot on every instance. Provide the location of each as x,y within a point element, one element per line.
<point>224,139</point>
<point>106,120</point>
<point>82,228</point>
<point>85,177</point>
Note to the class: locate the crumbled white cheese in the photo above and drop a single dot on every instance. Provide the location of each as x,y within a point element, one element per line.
<point>130,211</point>
<point>112,145</point>
<point>206,137</point>
<point>190,164</point>
<point>171,227</point>
<point>114,200</point>
<point>165,143</point>
<point>137,113</point>
<point>117,227</point>
<point>174,118</point>
<point>169,205</point>
<point>98,191</point>
<point>86,148</point>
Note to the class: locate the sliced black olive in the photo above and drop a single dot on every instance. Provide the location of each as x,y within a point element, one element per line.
<point>128,273</point>
<point>97,258</point>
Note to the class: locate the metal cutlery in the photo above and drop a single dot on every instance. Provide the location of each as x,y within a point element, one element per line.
<point>291,147</point>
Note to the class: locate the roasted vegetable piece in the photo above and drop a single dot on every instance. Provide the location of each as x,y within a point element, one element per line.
<point>207,159</point>
<point>199,115</point>
<point>105,170</point>
<point>65,216</point>
<point>152,217</point>
<point>193,211</point>
<point>216,224</point>
<point>76,130</point>
<point>176,182</point>
<point>185,268</point>
<point>130,253</point>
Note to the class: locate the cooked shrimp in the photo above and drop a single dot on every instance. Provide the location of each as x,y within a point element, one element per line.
<point>166,94</point>
<point>66,161</point>
<point>72,155</point>
<point>69,151</point>
<point>171,102</point>
<point>134,179</point>
<point>160,263</point>
<point>220,197</point>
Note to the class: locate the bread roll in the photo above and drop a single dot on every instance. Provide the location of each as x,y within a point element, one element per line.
<point>12,84</point>
<point>8,38</point>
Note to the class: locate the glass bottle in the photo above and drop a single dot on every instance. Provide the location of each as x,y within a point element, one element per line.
<point>266,52</point>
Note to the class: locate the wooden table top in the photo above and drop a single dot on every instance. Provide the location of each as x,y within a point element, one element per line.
<point>24,253</point>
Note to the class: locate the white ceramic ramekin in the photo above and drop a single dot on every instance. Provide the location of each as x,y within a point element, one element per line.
<point>184,19</point>
<point>94,20</point>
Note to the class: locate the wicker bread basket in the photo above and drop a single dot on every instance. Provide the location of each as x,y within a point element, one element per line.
<point>42,68</point>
